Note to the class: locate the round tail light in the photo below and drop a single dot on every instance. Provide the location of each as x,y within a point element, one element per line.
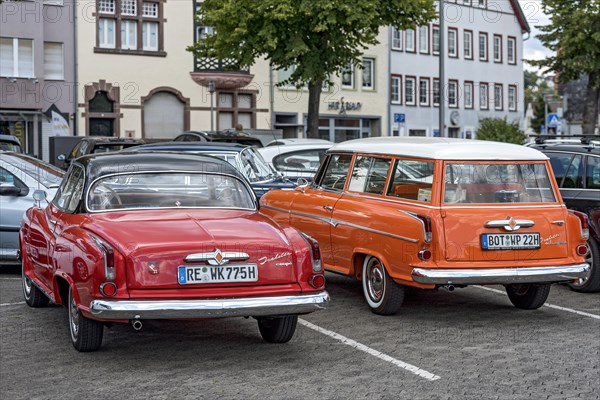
<point>317,281</point>
<point>108,289</point>
<point>582,250</point>
<point>425,255</point>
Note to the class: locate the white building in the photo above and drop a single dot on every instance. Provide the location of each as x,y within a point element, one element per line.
<point>483,68</point>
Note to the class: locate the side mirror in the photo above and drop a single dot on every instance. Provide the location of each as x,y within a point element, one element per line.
<point>9,190</point>
<point>61,157</point>
<point>302,182</point>
<point>39,196</point>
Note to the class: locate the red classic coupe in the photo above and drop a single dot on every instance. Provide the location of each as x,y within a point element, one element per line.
<point>136,236</point>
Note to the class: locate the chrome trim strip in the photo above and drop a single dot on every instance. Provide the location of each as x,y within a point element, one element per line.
<point>505,205</point>
<point>209,308</point>
<point>563,273</point>
<point>227,255</point>
<point>414,216</point>
<point>335,223</point>
<point>388,199</point>
<point>506,224</point>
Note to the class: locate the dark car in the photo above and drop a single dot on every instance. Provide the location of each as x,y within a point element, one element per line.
<point>10,143</point>
<point>97,144</point>
<point>576,165</point>
<point>221,137</point>
<point>245,159</point>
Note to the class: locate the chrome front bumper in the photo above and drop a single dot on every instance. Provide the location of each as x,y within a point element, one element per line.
<point>211,308</point>
<point>483,276</point>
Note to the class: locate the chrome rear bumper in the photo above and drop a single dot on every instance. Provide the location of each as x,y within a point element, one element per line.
<point>210,308</point>
<point>564,273</point>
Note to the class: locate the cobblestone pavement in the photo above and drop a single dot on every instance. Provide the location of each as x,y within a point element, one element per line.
<point>468,344</point>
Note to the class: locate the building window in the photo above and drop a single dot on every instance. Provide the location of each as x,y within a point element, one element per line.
<point>467,2</point>
<point>483,96</point>
<point>498,101</point>
<point>424,91</point>
<point>512,98</point>
<point>236,108</point>
<point>452,93</point>
<point>481,3</point>
<point>436,92</point>
<point>53,61</point>
<point>435,40</point>
<point>468,95</point>
<point>16,57</point>
<point>119,25</point>
<point>396,39</point>
<point>511,48</point>
<point>498,48</point>
<point>348,77</point>
<point>483,46</point>
<point>409,90</point>
<point>396,90</point>
<point>368,74</point>
<point>424,39</point>
<point>452,42</point>
<point>468,44</point>
<point>409,44</point>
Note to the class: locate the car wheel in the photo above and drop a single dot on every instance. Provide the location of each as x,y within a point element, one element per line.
<point>277,329</point>
<point>86,334</point>
<point>528,296</point>
<point>34,297</point>
<point>383,295</point>
<point>591,282</point>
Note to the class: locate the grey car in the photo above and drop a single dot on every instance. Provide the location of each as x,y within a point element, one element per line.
<point>20,176</point>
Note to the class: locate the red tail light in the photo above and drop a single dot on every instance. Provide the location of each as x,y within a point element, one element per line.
<point>315,253</point>
<point>425,255</point>
<point>110,272</point>
<point>426,226</point>
<point>108,289</point>
<point>584,224</point>
<point>317,281</point>
<point>582,250</point>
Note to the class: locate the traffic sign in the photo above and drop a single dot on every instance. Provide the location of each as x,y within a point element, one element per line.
<point>401,118</point>
<point>553,121</point>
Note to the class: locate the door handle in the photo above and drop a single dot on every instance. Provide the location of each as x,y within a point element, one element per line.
<point>328,208</point>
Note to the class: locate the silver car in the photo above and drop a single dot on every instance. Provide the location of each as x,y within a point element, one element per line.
<point>20,176</point>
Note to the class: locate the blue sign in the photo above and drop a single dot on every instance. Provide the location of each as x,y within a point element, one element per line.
<point>401,118</point>
<point>553,120</point>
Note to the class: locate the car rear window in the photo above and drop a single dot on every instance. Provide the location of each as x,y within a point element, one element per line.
<point>485,183</point>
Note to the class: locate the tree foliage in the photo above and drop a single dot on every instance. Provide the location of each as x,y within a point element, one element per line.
<point>574,34</point>
<point>500,130</point>
<point>314,38</point>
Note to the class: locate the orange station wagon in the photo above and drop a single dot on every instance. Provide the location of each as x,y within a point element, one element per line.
<point>437,212</point>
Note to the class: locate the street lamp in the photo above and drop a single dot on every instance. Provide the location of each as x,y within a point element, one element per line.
<point>211,90</point>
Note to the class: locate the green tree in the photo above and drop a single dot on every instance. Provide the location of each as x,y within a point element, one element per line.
<point>315,39</point>
<point>574,34</point>
<point>500,130</point>
<point>530,80</point>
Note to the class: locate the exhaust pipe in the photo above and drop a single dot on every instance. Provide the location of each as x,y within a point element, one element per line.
<point>449,288</point>
<point>136,324</point>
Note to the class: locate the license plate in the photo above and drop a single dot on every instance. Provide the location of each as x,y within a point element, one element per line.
<point>510,241</point>
<point>208,274</point>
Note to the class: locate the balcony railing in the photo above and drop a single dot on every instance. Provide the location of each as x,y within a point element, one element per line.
<point>215,65</point>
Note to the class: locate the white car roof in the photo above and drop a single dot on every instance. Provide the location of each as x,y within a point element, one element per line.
<point>440,148</point>
<point>297,141</point>
<point>269,152</point>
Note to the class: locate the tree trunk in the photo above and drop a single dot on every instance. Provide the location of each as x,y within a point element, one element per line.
<point>314,100</point>
<point>590,107</point>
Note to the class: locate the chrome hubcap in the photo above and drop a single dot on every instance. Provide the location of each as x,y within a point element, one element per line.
<point>74,319</point>
<point>26,286</point>
<point>588,259</point>
<point>375,280</point>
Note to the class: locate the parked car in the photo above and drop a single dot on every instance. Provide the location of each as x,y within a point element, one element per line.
<point>10,143</point>
<point>296,161</point>
<point>245,158</point>
<point>487,213</point>
<point>95,145</point>
<point>221,137</point>
<point>20,176</point>
<point>282,142</point>
<point>576,165</point>
<point>178,236</point>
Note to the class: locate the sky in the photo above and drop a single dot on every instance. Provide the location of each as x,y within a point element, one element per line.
<point>533,48</point>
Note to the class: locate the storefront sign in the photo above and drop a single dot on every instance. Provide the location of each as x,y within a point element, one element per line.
<point>60,126</point>
<point>344,106</point>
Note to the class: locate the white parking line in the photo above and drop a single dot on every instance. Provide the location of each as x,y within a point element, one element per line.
<point>11,304</point>
<point>352,343</point>
<point>547,304</point>
<point>10,279</point>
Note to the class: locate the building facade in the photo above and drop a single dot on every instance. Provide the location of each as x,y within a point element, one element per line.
<point>37,71</point>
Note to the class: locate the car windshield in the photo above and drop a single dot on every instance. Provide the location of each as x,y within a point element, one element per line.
<point>46,174</point>
<point>105,148</point>
<point>498,183</point>
<point>254,166</point>
<point>168,190</point>
<point>10,146</point>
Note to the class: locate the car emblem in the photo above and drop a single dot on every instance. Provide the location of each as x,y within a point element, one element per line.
<point>153,268</point>
<point>510,224</point>
<point>217,257</point>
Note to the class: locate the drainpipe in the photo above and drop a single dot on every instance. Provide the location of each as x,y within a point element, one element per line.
<point>442,60</point>
<point>75,66</point>
<point>389,108</point>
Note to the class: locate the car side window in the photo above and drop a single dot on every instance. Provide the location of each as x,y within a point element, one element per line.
<point>336,174</point>
<point>6,178</point>
<point>574,176</point>
<point>412,180</point>
<point>302,160</point>
<point>75,152</point>
<point>560,163</point>
<point>593,173</point>
<point>70,191</point>
<point>369,174</point>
